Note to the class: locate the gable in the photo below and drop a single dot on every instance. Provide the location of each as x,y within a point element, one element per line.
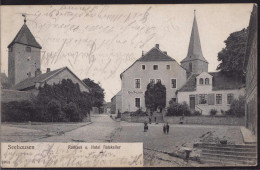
<point>66,74</point>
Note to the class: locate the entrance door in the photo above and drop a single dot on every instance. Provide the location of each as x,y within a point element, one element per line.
<point>192,103</point>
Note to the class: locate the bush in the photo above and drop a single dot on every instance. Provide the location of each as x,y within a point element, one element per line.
<point>17,111</point>
<point>177,109</point>
<point>54,110</point>
<point>197,113</point>
<point>237,107</point>
<point>213,112</point>
<point>139,112</point>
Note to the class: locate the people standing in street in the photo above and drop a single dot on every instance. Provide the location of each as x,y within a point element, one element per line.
<point>154,119</point>
<point>145,126</point>
<point>167,128</point>
<point>150,120</point>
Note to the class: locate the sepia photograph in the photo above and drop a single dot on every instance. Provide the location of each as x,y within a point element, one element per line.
<point>169,85</point>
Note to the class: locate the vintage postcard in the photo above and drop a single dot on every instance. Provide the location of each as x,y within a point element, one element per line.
<point>129,85</point>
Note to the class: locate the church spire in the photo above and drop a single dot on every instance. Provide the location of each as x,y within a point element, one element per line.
<point>194,51</point>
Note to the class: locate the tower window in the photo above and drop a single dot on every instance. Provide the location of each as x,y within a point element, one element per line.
<point>190,67</point>
<point>28,49</point>
<point>201,80</point>
<point>155,67</point>
<point>207,81</point>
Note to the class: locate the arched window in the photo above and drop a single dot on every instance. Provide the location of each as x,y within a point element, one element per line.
<point>190,67</point>
<point>201,80</point>
<point>207,81</point>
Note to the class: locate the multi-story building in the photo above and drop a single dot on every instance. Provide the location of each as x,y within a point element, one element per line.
<point>153,66</point>
<point>251,74</point>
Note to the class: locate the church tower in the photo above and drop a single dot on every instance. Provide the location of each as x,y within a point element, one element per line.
<point>194,61</point>
<point>24,56</point>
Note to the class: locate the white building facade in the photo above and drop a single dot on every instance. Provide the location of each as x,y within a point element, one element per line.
<point>153,66</point>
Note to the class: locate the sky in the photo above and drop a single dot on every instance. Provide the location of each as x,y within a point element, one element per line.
<point>100,41</point>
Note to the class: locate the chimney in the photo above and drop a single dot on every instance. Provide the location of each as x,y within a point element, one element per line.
<point>165,52</point>
<point>38,72</point>
<point>157,46</point>
<point>48,70</point>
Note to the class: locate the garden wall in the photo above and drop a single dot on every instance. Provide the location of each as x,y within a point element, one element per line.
<point>207,120</point>
<point>136,119</point>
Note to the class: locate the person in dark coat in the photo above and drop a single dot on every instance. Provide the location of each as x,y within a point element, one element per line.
<point>164,128</point>
<point>155,119</point>
<point>167,128</point>
<point>150,120</point>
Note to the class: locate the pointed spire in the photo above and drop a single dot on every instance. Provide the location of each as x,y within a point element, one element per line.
<point>194,51</point>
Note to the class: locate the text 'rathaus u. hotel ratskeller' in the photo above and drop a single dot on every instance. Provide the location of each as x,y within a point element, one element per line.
<point>188,82</point>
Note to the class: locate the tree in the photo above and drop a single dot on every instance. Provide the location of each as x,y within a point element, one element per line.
<point>237,107</point>
<point>75,105</point>
<point>96,92</point>
<point>232,57</point>
<point>54,109</point>
<point>155,96</point>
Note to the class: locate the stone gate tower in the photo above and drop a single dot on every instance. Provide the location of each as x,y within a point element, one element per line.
<point>24,57</point>
<point>194,61</point>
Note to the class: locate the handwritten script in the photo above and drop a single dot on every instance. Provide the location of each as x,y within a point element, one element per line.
<point>18,155</point>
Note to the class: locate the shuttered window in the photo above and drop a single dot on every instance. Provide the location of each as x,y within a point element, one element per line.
<point>230,98</point>
<point>211,99</point>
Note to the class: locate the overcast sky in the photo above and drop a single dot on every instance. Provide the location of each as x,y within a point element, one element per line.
<point>100,42</point>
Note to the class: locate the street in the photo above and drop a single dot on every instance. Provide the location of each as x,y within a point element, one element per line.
<point>157,145</point>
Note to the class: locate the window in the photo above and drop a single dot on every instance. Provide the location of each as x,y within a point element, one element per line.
<point>155,67</point>
<point>203,99</point>
<point>143,67</point>
<point>28,49</point>
<point>168,67</point>
<point>174,83</point>
<point>174,100</point>
<point>137,102</point>
<point>137,83</point>
<point>218,98</point>
<point>201,80</point>
<point>190,66</point>
<point>152,81</point>
<point>207,81</point>
<point>158,80</point>
<point>230,98</point>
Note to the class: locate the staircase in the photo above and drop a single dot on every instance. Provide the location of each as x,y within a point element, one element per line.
<point>159,117</point>
<point>228,155</point>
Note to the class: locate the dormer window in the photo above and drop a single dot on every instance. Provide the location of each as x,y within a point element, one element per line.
<point>28,49</point>
<point>201,81</point>
<point>207,81</point>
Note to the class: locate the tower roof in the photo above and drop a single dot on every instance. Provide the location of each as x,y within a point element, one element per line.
<point>24,36</point>
<point>194,51</point>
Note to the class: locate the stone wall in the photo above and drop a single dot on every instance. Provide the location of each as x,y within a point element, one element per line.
<point>14,95</point>
<point>206,120</point>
